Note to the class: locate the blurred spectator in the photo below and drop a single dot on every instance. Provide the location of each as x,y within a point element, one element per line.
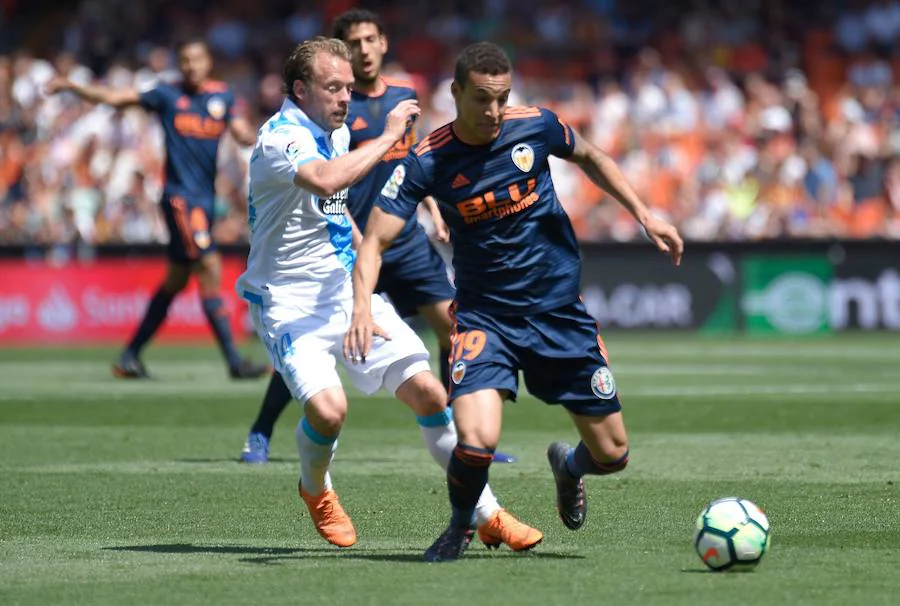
<point>751,119</point>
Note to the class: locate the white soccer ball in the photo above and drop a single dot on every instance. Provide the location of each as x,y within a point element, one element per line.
<point>731,534</point>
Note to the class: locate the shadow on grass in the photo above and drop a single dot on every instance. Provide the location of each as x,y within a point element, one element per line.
<point>392,555</point>
<point>267,556</point>
<point>188,548</point>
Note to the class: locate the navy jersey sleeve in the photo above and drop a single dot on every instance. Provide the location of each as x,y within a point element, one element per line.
<point>560,137</point>
<point>154,99</point>
<point>407,186</point>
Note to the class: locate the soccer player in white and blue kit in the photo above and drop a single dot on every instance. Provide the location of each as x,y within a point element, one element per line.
<point>300,293</point>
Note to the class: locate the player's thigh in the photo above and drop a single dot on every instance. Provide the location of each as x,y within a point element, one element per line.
<point>326,410</point>
<point>417,284</point>
<point>479,417</point>
<point>177,277</point>
<point>483,354</point>
<point>566,363</point>
<point>299,346</point>
<point>437,315</point>
<point>391,362</point>
<point>424,394</point>
<point>605,436</point>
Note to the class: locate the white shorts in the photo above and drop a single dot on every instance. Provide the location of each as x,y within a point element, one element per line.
<point>304,347</point>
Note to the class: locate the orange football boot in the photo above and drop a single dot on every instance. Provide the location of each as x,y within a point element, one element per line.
<point>503,527</point>
<point>331,521</point>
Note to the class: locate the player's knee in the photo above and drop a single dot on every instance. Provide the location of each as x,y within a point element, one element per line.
<point>616,447</point>
<point>326,414</point>
<point>612,460</point>
<point>424,394</point>
<point>176,280</point>
<point>209,281</point>
<point>478,438</point>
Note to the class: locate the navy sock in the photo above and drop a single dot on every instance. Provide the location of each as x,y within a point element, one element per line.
<point>217,316</point>
<point>444,359</point>
<point>580,462</point>
<point>467,476</point>
<point>153,319</point>
<point>277,397</point>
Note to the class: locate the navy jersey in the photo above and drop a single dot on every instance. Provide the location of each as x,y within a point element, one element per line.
<point>193,123</point>
<point>514,249</point>
<point>366,121</point>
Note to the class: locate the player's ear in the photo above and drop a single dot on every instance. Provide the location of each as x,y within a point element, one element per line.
<point>384,44</point>
<point>299,89</point>
<point>455,89</point>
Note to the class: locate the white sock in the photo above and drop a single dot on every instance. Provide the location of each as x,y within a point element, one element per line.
<point>439,433</point>
<point>316,452</point>
<point>486,506</point>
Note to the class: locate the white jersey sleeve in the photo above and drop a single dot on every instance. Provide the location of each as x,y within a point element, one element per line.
<point>300,244</point>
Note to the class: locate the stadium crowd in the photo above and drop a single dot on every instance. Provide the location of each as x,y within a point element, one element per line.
<point>738,119</point>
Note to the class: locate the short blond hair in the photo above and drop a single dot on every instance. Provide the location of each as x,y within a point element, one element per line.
<point>299,66</point>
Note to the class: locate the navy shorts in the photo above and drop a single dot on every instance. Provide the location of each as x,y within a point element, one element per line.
<point>190,222</point>
<point>414,275</point>
<point>559,352</point>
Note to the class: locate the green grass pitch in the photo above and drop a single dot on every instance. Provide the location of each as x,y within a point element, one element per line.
<point>130,492</point>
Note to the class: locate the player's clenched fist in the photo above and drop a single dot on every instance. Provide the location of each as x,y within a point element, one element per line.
<point>398,119</point>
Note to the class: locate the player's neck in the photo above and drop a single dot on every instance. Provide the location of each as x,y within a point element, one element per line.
<point>373,88</point>
<point>465,136</point>
<point>190,88</point>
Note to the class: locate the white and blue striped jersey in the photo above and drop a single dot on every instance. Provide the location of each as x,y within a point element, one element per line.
<point>300,244</point>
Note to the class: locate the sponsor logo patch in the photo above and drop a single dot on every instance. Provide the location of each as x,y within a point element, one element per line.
<point>291,151</point>
<point>333,206</point>
<point>603,384</point>
<point>392,188</point>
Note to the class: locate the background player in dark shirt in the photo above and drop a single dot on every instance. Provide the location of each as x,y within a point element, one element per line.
<point>518,270</point>
<point>194,114</point>
<point>413,275</point>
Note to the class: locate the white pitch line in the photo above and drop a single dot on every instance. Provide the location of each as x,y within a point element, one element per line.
<point>750,390</point>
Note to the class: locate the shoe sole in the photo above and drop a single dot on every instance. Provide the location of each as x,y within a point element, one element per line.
<point>496,545</point>
<point>252,461</point>
<point>120,373</point>
<point>342,545</point>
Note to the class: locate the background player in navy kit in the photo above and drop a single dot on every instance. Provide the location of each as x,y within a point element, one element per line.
<point>194,114</point>
<point>413,274</point>
<point>518,271</point>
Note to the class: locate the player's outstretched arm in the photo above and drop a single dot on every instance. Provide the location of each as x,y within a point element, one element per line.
<point>95,94</point>
<point>242,131</point>
<point>603,171</point>
<point>381,230</point>
<point>325,178</point>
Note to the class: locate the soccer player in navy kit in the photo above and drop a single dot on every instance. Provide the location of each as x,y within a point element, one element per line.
<point>194,114</point>
<point>518,269</point>
<point>413,274</point>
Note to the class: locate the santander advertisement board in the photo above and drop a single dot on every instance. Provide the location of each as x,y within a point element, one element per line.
<point>102,302</point>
